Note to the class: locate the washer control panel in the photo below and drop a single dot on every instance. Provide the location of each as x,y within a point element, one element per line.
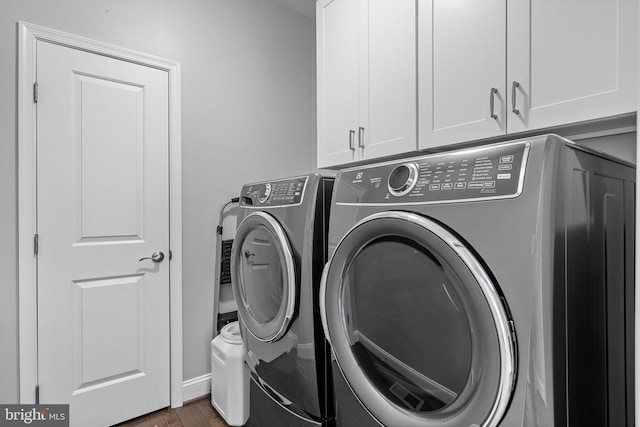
<point>492,171</point>
<point>285,192</point>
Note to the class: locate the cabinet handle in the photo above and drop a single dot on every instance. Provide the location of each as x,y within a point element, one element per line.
<point>361,137</point>
<point>491,102</point>
<point>352,137</point>
<point>514,86</point>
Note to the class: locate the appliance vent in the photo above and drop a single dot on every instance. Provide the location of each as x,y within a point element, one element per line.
<point>225,262</point>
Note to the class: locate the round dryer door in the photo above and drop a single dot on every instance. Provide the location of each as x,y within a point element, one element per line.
<point>263,276</point>
<point>417,326</point>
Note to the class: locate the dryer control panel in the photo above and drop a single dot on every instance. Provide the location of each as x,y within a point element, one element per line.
<point>486,172</point>
<point>285,192</point>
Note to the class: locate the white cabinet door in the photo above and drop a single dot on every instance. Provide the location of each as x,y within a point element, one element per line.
<point>388,114</point>
<point>574,60</point>
<point>462,70</point>
<point>337,52</point>
<point>367,96</point>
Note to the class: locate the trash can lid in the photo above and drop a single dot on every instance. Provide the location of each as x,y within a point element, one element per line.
<point>230,333</point>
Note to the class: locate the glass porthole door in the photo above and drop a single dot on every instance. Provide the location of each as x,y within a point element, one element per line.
<point>417,326</point>
<point>263,276</point>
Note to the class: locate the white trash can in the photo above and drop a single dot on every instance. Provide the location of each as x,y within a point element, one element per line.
<point>229,376</point>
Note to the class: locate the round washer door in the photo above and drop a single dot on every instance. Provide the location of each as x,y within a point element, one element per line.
<point>263,276</point>
<point>417,327</point>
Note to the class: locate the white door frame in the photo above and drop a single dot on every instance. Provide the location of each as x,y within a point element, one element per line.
<point>28,35</point>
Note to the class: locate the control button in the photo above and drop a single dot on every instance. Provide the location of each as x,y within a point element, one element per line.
<point>447,186</point>
<point>505,167</point>
<point>264,192</point>
<point>504,176</point>
<point>434,187</point>
<point>506,159</point>
<point>490,184</point>
<point>460,185</point>
<point>402,179</point>
<point>477,184</point>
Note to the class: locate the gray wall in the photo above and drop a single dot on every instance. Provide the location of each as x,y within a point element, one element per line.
<point>247,114</point>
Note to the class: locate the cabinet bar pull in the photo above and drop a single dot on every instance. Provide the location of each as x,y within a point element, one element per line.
<point>352,137</point>
<point>491,102</point>
<point>514,88</point>
<point>361,137</point>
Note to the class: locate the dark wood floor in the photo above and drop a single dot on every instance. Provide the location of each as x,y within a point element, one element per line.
<point>196,413</point>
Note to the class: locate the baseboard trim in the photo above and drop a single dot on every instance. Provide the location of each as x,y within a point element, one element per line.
<point>196,387</point>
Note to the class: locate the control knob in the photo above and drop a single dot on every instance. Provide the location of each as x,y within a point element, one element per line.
<point>264,192</point>
<point>403,178</point>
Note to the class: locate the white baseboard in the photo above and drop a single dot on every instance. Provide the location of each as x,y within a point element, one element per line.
<point>196,387</point>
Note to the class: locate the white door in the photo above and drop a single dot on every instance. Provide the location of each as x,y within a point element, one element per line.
<point>103,203</point>
<point>573,61</point>
<point>366,79</point>
<point>337,51</point>
<point>462,59</point>
<point>388,116</point>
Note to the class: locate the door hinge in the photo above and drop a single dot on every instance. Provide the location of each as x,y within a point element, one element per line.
<point>170,255</point>
<point>36,244</point>
<point>35,92</point>
<point>37,394</point>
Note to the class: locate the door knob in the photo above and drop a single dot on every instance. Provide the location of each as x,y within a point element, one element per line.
<point>157,256</point>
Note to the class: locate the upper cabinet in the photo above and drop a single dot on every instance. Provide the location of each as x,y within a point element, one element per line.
<point>367,94</point>
<point>479,70</point>
<point>462,64</point>
<point>486,70</point>
<point>570,61</point>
